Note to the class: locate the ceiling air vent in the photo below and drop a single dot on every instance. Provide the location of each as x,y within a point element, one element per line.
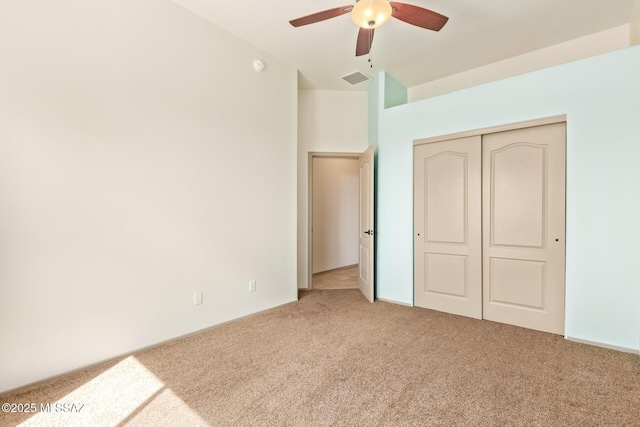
<point>356,77</point>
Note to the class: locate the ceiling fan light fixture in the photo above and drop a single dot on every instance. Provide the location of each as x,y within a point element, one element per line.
<point>371,13</point>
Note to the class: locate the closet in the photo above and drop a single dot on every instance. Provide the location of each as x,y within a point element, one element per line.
<point>489,224</point>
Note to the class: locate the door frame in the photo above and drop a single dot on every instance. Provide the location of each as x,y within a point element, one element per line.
<point>310,157</point>
<point>494,129</point>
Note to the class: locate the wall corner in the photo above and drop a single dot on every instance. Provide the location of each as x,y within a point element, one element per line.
<point>394,92</point>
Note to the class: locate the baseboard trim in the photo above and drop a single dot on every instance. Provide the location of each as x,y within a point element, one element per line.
<point>394,302</point>
<point>331,270</point>
<point>603,345</point>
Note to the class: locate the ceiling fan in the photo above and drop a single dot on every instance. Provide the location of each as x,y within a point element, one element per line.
<point>371,14</point>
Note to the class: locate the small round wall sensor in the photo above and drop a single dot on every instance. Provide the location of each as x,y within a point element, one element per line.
<point>258,65</point>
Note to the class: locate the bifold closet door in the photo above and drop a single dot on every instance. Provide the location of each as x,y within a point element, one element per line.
<point>447,226</point>
<point>524,227</point>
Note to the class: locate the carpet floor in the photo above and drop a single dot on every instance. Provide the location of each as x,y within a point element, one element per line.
<point>332,358</point>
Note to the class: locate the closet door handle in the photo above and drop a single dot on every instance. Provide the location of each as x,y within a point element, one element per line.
<point>369,232</point>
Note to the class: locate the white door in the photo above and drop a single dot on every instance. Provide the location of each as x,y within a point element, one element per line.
<point>366,245</point>
<point>524,227</point>
<point>447,226</point>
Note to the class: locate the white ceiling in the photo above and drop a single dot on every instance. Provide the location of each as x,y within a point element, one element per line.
<point>478,33</point>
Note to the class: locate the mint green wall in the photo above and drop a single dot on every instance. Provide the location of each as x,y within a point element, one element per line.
<point>376,89</point>
<point>394,93</point>
<point>601,98</point>
<point>384,92</point>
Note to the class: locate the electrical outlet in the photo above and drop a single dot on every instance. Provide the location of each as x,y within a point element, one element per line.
<point>252,286</point>
<point>197,298</point>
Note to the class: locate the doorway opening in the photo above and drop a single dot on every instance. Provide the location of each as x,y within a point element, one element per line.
<point>333,220</point>
<point>353,191</point>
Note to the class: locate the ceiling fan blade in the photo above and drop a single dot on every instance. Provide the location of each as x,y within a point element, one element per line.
<point>321,16</point>
<point>365,40</point>
<point>418,16</point>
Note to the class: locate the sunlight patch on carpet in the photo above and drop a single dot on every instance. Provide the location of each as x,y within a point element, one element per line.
<point>125,392</point>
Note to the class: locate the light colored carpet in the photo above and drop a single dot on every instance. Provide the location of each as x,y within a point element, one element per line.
<point>334,359</point>
<point>340,278</point>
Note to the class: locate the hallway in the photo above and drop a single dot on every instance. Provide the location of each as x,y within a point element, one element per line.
<point>340,278</point>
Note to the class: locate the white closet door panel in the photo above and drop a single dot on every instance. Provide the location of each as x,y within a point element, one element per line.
<point>518,195</point>
<point>446,187</point>
<point>524,213</point>
<point>447,226</point>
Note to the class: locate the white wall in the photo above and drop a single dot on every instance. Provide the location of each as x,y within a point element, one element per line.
<point>328,121</point>
<point>141,159</point>
<point>600,97</point>
<point>336,186</point>
<point>583,47</point>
